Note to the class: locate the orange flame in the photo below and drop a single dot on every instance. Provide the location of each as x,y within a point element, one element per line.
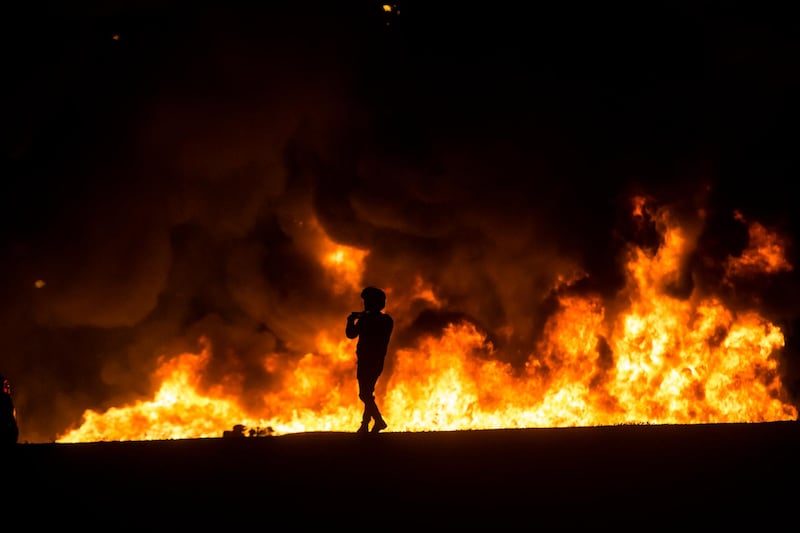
<point>658,359</point>
<point>178,409</point>
<point>764,253</point>
<point>344,264</point>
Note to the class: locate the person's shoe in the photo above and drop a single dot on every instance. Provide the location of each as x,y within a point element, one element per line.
<point>379,425</point>
<point>364,428</point>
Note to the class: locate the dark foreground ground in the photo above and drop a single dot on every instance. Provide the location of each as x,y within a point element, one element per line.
<point>631,478</point>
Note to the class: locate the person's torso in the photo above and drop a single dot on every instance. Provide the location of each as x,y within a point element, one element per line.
<point>374,332</point>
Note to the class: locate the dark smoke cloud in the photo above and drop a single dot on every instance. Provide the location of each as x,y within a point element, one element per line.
<point>161,184</point>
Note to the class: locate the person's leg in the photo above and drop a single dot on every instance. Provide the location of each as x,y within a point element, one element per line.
<point>366,393</point>
<point>367,378</point>
<point>380,423</point>
<point>366,416</point>
<point>371,406</point>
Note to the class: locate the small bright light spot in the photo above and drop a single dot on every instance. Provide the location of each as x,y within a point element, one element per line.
<point>387,8</point>
<point>39,283</point>
<point>115,36</point>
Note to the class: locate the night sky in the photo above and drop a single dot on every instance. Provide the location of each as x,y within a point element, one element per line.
<point>157,158</point>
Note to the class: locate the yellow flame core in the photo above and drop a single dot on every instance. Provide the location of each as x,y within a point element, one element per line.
<point>659,360</point>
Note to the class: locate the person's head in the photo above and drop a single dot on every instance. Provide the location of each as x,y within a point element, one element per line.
<point>374,299</point>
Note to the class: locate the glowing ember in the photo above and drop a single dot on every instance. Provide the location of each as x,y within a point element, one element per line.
<point>657,359</point>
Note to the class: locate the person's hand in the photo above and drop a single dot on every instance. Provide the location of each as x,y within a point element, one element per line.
<point>355,314</point>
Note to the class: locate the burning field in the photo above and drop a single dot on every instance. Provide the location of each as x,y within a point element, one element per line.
<point>648,356</point>
<point>573,231</point>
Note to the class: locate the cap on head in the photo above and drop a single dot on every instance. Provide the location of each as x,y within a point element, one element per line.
<point>374,298</point>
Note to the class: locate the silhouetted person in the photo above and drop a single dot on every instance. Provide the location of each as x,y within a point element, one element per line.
<point>373,328</point>
<point>9,431</point>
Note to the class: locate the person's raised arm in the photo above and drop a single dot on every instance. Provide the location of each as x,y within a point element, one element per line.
<point>351,330</point>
